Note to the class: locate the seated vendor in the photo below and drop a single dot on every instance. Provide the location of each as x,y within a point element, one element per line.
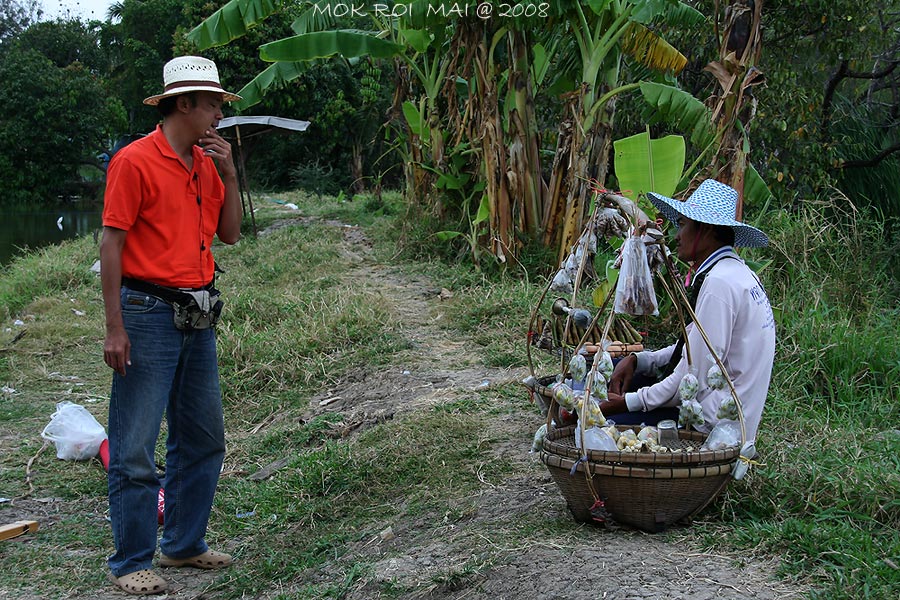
<point>731,306</point>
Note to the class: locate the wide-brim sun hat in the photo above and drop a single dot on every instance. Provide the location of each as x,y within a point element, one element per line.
<point>714,203</point>
<point>190,74</point>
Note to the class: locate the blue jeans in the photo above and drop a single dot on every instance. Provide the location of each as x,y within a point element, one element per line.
<point>172,372</point>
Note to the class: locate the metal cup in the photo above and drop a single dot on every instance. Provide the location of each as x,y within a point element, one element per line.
<point>668,433</point>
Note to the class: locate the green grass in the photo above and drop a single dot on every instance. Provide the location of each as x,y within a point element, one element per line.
<point>295,323</point>
<point>46,272</point>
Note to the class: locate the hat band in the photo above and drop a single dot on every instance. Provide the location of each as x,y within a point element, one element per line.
<point>183,84</point>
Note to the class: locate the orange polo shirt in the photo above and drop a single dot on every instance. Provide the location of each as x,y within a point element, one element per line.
<point>170,213</point>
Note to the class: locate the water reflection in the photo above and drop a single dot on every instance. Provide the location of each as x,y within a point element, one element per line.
<point>21,231</point>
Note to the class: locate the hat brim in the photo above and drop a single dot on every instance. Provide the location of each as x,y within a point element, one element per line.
<point>745,236</point>
<point>226,96</point>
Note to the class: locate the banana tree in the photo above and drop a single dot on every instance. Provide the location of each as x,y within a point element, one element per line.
<point>721,134</point>
<point>529,62</point>
<point>604,31</point>
<point>486,132</point>
<point>737,74</point>
<point>501,122</point>
<point>502,128</point>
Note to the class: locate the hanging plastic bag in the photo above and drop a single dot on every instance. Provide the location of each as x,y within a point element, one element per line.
<point>539,435</point>
<point>578,368</point>
<point>690,414</point>
<point>728,410</point>
<point>75,431</point>
<point>562,283</point>
<point>634,291</point>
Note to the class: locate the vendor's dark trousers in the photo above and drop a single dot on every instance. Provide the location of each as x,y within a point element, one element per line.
<point>651,417</point>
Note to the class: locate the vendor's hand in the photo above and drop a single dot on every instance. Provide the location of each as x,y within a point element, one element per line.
<point>622,374</point>
<point>614,405</point>
<point>117,349</point>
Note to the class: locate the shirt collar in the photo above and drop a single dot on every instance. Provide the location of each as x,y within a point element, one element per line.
<point>162,144</point>
<point>715,256</point>
<point>166,149</point>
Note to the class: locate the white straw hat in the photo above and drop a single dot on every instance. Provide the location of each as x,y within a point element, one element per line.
<point>714,203</point>
<point>190,74</point>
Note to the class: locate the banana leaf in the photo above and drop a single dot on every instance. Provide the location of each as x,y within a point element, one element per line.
<point>319,18</point>
<point>413,117</point>
<point>598,6</point>
<point>676,14</point>
<point>679,108</point>
<point>231,22</point>
<point>418,39</point>
<point>651,50</point>
<point>323,44</point>
<point>276,74</point>
<point>644,165</point>
<point>756,192</point>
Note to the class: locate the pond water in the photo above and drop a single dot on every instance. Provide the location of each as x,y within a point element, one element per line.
<point>22,230</point>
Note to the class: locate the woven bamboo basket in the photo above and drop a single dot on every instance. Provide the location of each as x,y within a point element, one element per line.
<point>649,491</point>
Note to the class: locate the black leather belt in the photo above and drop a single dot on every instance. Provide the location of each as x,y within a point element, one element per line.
<point>167,294</point>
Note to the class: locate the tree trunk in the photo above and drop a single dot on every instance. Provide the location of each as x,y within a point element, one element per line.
<point>525,180</point>
<point>356,168</point>
<point>582,158</point>
<point>419,185</point>
<point>559,190</point>
<point>736,71</point>
<point>488,126</point>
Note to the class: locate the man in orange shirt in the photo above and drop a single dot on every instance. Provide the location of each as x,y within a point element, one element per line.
<point>164,202</point>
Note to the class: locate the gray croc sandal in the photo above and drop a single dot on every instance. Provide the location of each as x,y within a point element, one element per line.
<point>208,560</point>
<point>141,583</point>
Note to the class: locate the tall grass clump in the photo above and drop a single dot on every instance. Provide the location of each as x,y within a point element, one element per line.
<point>827,498</point>
<point>838,306</point>
<point>46,271</point>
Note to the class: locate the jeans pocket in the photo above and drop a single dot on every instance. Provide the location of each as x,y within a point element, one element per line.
<point>136,303</point>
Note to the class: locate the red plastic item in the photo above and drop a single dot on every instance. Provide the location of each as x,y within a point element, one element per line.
<point>104,454</point>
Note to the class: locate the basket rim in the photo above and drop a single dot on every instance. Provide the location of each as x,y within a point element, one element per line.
<point>552,460</point>
<point>640,459</point>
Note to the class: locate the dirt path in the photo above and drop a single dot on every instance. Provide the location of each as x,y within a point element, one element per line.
<point>439,365</point>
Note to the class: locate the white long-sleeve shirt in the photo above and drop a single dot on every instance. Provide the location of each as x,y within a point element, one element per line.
<point>735,313</point>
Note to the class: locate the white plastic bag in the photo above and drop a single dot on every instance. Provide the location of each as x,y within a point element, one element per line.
<point>75,431</point>
<point>595,438</point>
<point>725,434</point>
<point>634,290</point>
